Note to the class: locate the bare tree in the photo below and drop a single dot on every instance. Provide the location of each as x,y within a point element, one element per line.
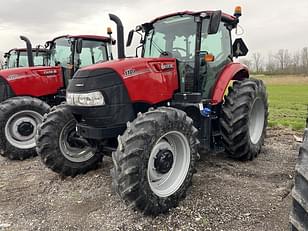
<point>296,63</point>
<point>246,62</point>
<point>305,60</point>
<point>283,58</point>
<point>1,63</point>
<point>271,64</point>
<point>257,61</point>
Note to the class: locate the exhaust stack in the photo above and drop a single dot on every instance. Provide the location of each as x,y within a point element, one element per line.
<point>120,35</point>
<point>29,50</point>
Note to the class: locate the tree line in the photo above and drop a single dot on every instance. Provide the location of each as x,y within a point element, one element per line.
<point>281,62</point>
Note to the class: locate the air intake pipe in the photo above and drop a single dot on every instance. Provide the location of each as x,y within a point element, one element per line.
<point>120,35</point>
<point>29,50</point>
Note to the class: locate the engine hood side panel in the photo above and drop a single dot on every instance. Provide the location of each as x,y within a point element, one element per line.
<point>150,80</point>
<point>34,81</point>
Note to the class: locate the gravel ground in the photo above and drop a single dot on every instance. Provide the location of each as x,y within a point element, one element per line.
<point>225,195</point>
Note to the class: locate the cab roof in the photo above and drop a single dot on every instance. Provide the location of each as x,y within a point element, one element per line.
<point>90,37</point>
<point>25,49</point>
<point>225,17</point>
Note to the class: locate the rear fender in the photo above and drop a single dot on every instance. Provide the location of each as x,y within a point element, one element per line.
<point>233,71</point>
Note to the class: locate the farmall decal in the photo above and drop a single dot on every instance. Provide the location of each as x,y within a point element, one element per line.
<point>16,76</point>
<point>132,72</point>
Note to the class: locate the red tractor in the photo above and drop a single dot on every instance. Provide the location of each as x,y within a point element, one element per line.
<point>26,93</point>
<point>299,212</point>
<point>157,111</point>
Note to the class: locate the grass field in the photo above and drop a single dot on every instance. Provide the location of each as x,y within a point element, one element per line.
<point>288,100</point>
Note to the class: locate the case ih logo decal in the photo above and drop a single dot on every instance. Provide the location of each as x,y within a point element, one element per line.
<point>132,72</point>
<point>50,72</point>
<point>166,66</point>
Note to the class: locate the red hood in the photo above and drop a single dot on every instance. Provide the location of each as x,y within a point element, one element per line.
<point>147,80</point>
<point>128,67</point>
<point>9,74</point>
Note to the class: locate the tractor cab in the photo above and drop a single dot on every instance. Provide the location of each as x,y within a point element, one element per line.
<point>199,41</point>
<point>73,52</point>
<point>18,57</point>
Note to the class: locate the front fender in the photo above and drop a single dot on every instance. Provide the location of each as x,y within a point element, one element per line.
<point>5,90</point>
<point>233,71</point>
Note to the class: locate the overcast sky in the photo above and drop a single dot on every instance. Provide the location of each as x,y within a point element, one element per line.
<point>269,25</point>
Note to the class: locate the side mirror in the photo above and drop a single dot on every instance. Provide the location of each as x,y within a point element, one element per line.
<point>79,46</point>
<point>130,38</point>
<point>214,23</point>
<point>239,48</point>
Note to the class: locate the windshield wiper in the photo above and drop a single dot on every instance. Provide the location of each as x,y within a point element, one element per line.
<point>161,51</point>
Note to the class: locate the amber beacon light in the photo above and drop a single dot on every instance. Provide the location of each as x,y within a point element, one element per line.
<point>238,11</point>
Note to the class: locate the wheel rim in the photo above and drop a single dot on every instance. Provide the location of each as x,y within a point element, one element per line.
<point>256,120</point>
<point>165,180</point>
<point>21,127</point>
<point>73,147</point>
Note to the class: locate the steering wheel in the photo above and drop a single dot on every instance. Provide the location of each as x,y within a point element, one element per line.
<point>178,54</point>
<point>219,56</point>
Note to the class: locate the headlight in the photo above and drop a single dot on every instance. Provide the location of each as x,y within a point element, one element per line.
<point>85,99</point>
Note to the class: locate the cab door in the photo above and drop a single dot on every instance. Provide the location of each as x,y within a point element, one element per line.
<point>219,45</point>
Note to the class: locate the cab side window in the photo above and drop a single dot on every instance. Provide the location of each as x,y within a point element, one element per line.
<point>217,44</point>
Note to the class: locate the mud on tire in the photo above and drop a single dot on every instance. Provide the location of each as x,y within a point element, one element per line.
<point>59,154</point>
<point>132,176</point>
<point>244,119</point>
<point>299,212</point>
<point>19,119</point>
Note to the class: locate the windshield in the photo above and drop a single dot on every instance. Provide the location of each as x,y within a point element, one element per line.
<point>12,59</point>
<point>61,52</point>
<point>39,58</point>
<point>93,51</point>
<point>173,37</point>
<point>20,59</point>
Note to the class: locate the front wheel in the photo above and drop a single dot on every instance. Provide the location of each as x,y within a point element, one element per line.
<point>19,120</point>
<point>61,149</point>
<point>155,160</point>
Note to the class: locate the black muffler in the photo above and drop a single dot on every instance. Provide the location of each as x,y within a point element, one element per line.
<point>120,35</point>
<point>29,50</point>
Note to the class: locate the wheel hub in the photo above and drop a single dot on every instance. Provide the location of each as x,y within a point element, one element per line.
<point>25,128</point>
<point>163,161</point>
<point>168,163</point>
<point>73,147</point>
<point>20,128</point>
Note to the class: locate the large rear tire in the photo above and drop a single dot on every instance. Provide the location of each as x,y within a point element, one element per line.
<point>299,213</point>
<point>60,148</point>
<point>155,160</point>
<point>244,119</point>
<point>19,120</point>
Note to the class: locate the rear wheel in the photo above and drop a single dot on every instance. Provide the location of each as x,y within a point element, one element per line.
<point>299,213</point>
<point>155,160</point>
<point>19,120</point>
<point>61,149</point>
<point>244,119</point>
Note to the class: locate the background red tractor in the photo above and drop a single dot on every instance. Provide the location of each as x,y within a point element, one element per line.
<point>154,112</point>
<point>26,93</point>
